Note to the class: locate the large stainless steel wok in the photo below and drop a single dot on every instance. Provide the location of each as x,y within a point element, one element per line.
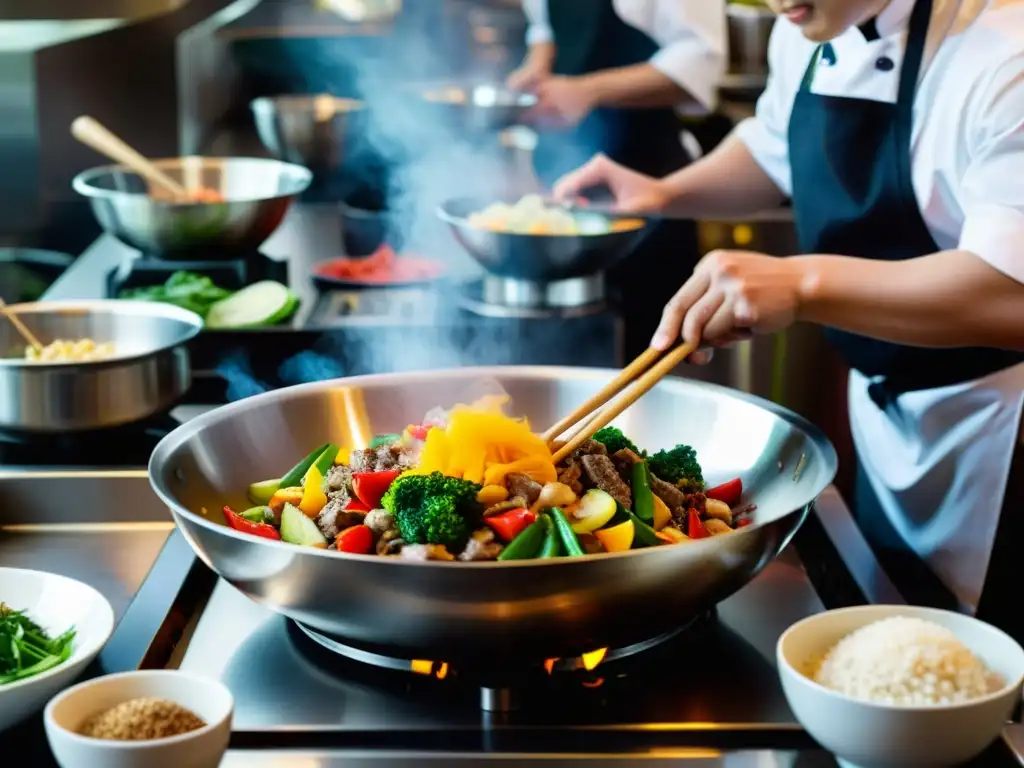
<point>475,611</point>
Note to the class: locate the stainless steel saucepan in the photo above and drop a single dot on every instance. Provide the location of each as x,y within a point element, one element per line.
<point>470,612</point>
<point>147,373</point>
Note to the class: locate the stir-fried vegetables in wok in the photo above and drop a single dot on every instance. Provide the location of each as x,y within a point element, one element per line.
<point>474,484</point>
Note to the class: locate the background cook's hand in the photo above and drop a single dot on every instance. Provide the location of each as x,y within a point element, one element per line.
<point>731,295</point>
<point>634,192</point>
<point>562,102</point>
<point>527,77</point>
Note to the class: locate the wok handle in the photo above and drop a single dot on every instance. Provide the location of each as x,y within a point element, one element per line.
<point>93,134</point>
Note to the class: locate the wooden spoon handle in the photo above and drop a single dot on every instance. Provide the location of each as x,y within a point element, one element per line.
<point>92,134</point>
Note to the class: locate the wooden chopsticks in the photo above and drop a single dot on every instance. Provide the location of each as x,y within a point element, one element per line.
<point>20,327</point>
<point>643,373</point>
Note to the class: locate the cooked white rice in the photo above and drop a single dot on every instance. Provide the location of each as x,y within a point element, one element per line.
<point>905,662</point>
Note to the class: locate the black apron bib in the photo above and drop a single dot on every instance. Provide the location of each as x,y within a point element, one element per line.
<point>853,196</point>
<point>590,36</point>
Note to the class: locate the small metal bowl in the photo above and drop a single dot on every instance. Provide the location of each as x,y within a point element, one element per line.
<point>314,131</point>
<point>484,107</point>
<point>536,258</point>
<point>257,193</point>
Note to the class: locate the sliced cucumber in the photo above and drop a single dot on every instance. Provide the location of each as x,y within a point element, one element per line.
<point>264,303</point>
<point>296,528</point>
<point>262,492</point>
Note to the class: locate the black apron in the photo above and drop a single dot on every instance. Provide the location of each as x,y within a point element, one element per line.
<point>589,36</point>
<point>853,196</point>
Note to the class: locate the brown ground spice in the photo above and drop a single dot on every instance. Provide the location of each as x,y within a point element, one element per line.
<point>140,720</point>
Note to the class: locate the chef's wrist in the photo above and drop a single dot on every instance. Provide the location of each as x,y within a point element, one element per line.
<point>599,88</point>
<point>810,278</point>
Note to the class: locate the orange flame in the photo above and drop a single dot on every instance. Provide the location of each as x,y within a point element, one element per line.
<point>593,658</point>
<point>422,666</point>
<point>442,671</point>
<point>549,665</point>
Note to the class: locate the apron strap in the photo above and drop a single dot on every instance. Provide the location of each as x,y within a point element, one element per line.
<point>812,68</point>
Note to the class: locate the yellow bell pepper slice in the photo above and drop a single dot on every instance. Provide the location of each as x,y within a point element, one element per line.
<point>618,538</point>
<point>292,495</point>
<point>313,497</point>
<point>492,494</point>
<point>662,514</point>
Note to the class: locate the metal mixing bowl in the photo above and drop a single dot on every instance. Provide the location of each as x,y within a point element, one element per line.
<point>314,131</point>
<point>478,108</point>
<point>536,258</point>
<point>148,373</point>
<point>257,193</point>
<point>492,611</point>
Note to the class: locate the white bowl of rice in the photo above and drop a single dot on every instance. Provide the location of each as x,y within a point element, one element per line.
<point>897,685</point>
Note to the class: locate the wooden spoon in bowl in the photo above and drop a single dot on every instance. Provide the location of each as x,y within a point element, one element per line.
<point>92,134</point>
<point>26,334</point>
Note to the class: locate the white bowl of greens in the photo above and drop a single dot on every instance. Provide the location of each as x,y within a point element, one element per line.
<point>51,627</point>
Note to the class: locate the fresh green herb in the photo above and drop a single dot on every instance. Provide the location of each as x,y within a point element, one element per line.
<point>25,647</point>
<point>187,290</point>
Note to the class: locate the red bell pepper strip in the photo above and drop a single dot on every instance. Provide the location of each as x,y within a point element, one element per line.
<point>355,505</point>
<point>370,487</point>
<point>510,524</point>
<point>729,492</point>
<point>239,523</point>
<point>744,522</point>
<point>357,540</point>
<point>695,528</point>
<point>418,431</point>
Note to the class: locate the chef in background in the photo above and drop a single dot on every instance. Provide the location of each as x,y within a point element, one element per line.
<point>617,77</point>
<point>897,128</point>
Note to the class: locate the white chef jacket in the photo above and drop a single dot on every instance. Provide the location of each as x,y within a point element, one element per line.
<point>937,459</point>
<point>693,36</point>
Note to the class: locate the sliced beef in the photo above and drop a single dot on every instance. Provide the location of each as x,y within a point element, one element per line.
<point>589,447</point>
<point>334,517</point>
<point>424,552</point>
<point>363,460</point>
<point>670,494</point>
<point>602,473</point>
<point>516,502</point>
<point>624,461</point>
<point>379,521</point>
<point>386,457</point>
<point>338,481</point>
<point>680,513</point>
<point>481,546</point>
<point>523,486</point>
<point>570,476</point>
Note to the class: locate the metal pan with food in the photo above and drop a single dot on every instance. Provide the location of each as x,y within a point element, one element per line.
<point>505,584</point>
<point>534,240</point>
<point>97,364</point>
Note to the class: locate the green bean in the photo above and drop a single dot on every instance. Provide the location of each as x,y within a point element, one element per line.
<point>643,498</point>
<point>296,473</point>
<point>525,545</point>
<point>552,546</point>
<point>565,533</point>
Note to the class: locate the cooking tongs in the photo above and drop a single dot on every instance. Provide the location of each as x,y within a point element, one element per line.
<point>642,374</point>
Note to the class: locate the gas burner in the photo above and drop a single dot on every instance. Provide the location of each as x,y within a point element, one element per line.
<point>232,274</point>
<point>508,297</point>
<point>128,445</point>
<point>496,697</point>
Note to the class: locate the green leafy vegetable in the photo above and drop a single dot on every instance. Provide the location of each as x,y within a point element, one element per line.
<point>613,439</point>
<point>187,290</point>
<point>25,647</point>
<point>678,466</point>
<point>434,509</point>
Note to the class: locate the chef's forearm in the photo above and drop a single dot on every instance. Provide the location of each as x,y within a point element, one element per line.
<point>541,56</point>
<point>728,182</point>
<point>636,86</point>
<point>946,299</point>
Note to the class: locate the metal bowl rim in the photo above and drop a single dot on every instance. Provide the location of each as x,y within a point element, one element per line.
<point>82,183</point>
<point>452,220</point>
<point>186,431</point>
<point>270,103</point>
<point>116,306</point>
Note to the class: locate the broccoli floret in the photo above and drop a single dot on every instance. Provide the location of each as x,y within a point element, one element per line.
<point>678,466</point>
<point>434,509</point>
<point>613,439</point>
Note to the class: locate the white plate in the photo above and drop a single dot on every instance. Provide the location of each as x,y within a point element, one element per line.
<point>56,603</point>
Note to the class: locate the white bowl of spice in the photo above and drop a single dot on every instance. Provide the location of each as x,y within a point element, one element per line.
<point>148,719</point>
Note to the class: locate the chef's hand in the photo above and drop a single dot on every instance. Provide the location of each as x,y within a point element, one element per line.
<point>528,76</point>
<point>634,192</point>
<point>562,102</point>
<point>730,296</point>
